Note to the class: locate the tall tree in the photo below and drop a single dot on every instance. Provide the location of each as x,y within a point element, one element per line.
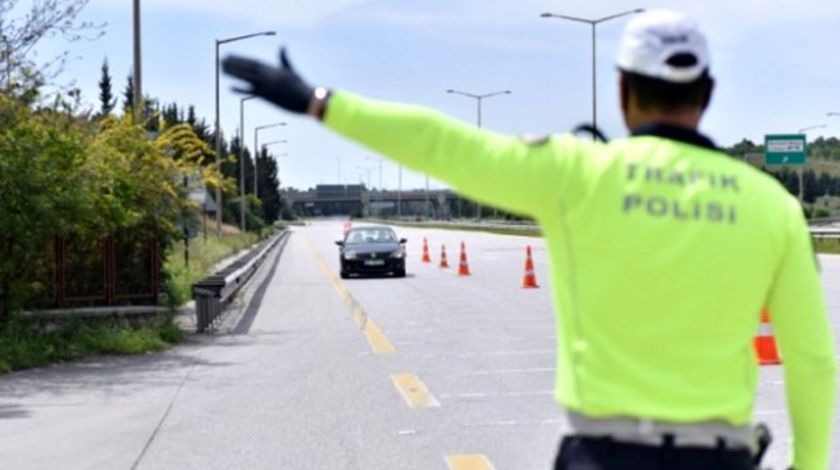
<point>107,101</point>
<point>269,186</point>
<point>23,25</point>
<point>151,113</point>
<point>128,95</point>
<point>170,114</point>
<point>192,120</point>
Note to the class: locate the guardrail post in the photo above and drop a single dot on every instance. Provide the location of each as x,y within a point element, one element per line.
<point>207,294</point>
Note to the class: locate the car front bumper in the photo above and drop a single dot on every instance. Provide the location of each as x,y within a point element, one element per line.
<point>365,266</point>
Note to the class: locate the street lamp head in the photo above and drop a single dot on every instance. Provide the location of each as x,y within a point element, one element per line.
<point>270,33</point>
<point>639,10</point>
<point>809,128</point>
<point>276,124</point>
<point>546,15</point>
<point>450,91</point>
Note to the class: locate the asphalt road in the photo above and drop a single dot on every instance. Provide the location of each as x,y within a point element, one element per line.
<point>431,371</point>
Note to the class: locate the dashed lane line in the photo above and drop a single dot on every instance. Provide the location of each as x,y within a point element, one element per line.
<point>377,340</point>
<point>468,462</point>
<point>413,391</point>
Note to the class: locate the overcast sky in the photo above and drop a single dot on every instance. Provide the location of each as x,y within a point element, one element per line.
<point>774,61</point>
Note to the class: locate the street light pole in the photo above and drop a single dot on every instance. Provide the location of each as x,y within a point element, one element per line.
<point>138,76</point>
<point>218,130</point>
<point>257,151</point>
<point>242,161</point>
<point>379,162</point>
<point>593,24</point>
<point>594,83</point>
<point>399,191</point>
<point>801,179</point>
<point>367,171</point>
<point>427,197</point>
<point>478,99</point>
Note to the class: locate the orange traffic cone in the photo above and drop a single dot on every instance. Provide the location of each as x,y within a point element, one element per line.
<point>463,267</point>
<point>530,280</point>
<point>426,257</point>
<point>765,343</point>
<point>443,263</point>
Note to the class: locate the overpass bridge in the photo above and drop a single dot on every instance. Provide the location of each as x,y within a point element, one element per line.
<point>359,201</point>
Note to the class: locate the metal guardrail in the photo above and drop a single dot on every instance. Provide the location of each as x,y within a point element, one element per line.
<point>825,233</point>
<point>823,221</point>
<point>213,292</point>
<point>460,223</point>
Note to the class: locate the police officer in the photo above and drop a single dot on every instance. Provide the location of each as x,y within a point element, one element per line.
<point>663,251</point>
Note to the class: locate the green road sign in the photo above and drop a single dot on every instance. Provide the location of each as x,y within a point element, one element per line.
<point>784,149</point>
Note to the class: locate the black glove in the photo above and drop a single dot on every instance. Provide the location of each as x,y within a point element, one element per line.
<point>279,85</point>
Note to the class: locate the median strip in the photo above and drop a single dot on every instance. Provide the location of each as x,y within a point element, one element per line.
<point>413,391</point>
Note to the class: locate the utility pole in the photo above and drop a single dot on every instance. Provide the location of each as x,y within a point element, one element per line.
<point>138,75</point>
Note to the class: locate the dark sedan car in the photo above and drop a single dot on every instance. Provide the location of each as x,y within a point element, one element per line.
<point>371,250</point>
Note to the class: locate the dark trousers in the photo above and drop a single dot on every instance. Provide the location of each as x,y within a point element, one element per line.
<point>590,453</point>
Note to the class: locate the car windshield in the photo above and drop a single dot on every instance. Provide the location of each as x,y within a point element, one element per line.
<point>373,235</point>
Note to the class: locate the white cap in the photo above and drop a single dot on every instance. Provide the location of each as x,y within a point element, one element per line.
<point>664,44</point>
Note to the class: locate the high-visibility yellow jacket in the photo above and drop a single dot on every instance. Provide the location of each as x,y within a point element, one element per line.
<point>663,252</point>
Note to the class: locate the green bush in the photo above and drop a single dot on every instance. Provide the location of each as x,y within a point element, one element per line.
<point>820,212</point>
<point>27,342</point>
<point>72,177</point>
<point>204,254</point>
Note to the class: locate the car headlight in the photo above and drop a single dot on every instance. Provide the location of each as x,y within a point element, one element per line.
<point>349,255</point>
<point>397,254</point>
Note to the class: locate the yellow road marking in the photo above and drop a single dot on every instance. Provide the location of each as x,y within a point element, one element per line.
<point>375,337</point>
<point>414,391</point>
<point>468,462</point>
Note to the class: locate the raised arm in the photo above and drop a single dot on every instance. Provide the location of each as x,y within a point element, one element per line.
<point>800,321</point>
<point>506,172</point>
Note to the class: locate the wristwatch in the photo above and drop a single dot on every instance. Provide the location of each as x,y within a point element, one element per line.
<point>318,103</point>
